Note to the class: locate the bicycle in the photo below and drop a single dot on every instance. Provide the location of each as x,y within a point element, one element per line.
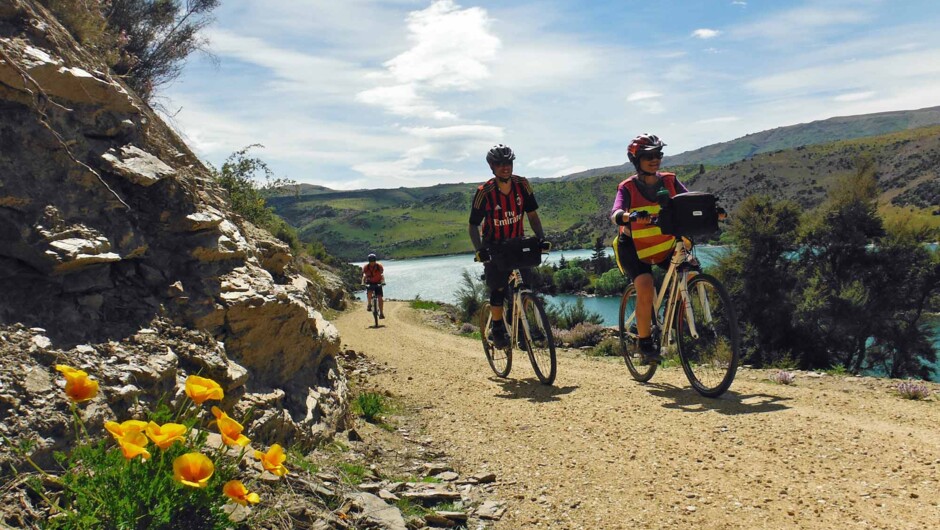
<point>375,300</point>
<point>700,324</point>
<point>529,329</point>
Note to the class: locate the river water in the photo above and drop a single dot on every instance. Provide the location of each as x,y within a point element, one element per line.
<point>437,278</point>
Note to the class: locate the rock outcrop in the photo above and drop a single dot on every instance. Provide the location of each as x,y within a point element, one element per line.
<point>109,223</point>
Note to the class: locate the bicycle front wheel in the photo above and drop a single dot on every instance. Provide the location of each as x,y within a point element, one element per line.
<point>707,336</point>
<point>375,312</point>
<point>500,360</point>
<point>629,347</point>
<point>539,342</point>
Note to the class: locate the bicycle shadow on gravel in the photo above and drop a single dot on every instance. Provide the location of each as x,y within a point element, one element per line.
<point>730,403</point>
<point>531,389</point>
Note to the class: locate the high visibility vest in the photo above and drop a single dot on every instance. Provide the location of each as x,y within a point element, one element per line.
<point>652,246</point>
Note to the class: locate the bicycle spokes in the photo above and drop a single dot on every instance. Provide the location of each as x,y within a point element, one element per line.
<point>707,337</point>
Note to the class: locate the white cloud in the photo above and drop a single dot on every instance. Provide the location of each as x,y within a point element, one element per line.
<point>722,119</point>
<point>549,163</point>
<point>705,33</point>
<point>484,132</point>
<point>642,95</point>
<point>739,3</point>
<point>788,27</point>
<point>451,47</point>
<point>403,100</point>
<point>855,96</point>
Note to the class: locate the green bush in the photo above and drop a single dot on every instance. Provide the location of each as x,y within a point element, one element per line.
<point>611,283</point>
<point>370,406</point>
<point>418,303</point>
<point>570,279</point>
<point>471,295</point>
<point>608,347</point>
<point>583,334</point>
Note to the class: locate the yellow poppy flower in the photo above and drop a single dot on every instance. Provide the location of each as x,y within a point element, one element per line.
<point>201,389</point>
<point>120,429</point>
<point>134,444</point>
<point>193,469</point>
<point>230,429</point>
<point>78,387</point>
<point>273,460</point>
<point>235,490</point>
<point>164,435</point>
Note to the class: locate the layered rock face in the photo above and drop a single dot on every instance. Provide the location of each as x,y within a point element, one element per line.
<point>108,222</point>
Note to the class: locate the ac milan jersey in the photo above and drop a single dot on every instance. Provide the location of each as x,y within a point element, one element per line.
<point>502,214</point>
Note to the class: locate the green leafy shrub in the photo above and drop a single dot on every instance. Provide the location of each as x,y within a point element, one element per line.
<point>611,282</point>
<point>418,303</point>
<point>567,316</point>
<point>471,295</point>
<point>570,279</point>
<point>369,405</point>
<point>608,347</point>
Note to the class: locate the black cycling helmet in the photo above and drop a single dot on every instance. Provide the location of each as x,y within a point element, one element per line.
<point>644,143</point>
<point>372,257</point>
<point>500,154</point>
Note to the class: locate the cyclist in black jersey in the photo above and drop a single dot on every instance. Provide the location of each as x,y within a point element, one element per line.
<point>500,205</point>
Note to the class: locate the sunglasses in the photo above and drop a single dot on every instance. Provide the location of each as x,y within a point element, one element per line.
<point>658,155</point>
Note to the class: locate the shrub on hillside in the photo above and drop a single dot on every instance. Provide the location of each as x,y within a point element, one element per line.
<point>471,295</point>
<point>570,279</point>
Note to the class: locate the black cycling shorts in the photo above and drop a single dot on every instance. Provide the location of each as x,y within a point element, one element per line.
<point>497,280</point>
<point>626,255</point>
<point>375,288</point>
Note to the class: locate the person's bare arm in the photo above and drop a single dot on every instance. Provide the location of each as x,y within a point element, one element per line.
<point>475,237</point>
<point>536,225</point>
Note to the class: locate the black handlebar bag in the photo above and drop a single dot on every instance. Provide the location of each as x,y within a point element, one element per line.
<point>692,214</point>
<point>516,253</point>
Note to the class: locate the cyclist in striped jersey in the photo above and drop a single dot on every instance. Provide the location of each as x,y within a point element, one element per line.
<point>500,205</point>
<point>641,245</point>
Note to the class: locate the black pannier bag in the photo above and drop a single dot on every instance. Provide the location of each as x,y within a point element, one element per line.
<point>516,253</point>
<point>692,214</point>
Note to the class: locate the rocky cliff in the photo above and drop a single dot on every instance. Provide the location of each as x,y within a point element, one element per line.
<point>119,255</point>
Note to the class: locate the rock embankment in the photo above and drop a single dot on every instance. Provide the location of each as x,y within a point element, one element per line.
<point>109,223</point>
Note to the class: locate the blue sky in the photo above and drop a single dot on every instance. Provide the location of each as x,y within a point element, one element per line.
<point>386,93</point>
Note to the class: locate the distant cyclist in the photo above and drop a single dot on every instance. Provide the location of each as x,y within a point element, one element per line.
<point>499,205</point>
<point>641,245</point>
<point>373,276</point>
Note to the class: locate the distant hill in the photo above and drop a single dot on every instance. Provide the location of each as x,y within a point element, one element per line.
<point>297,189</point>
<point>412,222</point>
<point>803,134</point>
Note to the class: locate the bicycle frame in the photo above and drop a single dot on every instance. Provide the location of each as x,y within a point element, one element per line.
<point>518,289</point>
<point>675,281</point>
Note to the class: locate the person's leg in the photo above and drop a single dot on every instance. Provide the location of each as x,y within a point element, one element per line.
<point>381,302</point>
<point>644,304</point>
<point>368,299</point>
<point>497,281</point>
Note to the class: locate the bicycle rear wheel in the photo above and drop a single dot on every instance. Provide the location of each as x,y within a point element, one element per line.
<point>500,360</point>
<point>629,348</point>
<point>711,359</point>
<point>539,342</point>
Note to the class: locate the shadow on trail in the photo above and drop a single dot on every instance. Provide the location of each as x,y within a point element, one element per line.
<point>530,389</point>
<point>731,402</point>
<point>380,326</point>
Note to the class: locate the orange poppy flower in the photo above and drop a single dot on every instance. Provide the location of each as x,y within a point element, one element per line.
<point>201,389</point>
<point>164,435</point>
<point>118,430</point>
<point>193,469</point>
<point>134,444</point>
<point>78,387</point>
<point>273,460</point>
<point>230,429</point>
<point>235,490</point>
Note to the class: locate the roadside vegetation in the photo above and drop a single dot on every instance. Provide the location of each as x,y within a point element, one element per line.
<point>838,287</point>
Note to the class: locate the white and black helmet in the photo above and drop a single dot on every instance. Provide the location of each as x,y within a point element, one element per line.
<point>500,154</point>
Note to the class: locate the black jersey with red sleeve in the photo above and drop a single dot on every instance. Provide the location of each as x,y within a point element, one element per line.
<point>502,214</point>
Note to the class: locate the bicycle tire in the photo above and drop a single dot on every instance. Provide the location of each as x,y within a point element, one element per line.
<point>500,361</point>
<point>375,311</point>
<point>541,349</point>
<point>629,348</point>
<point>711,360</point>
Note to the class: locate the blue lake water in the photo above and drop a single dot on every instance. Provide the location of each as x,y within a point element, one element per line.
<point>437,278</point>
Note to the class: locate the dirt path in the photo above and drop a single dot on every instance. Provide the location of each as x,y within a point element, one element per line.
<point>600,451</point>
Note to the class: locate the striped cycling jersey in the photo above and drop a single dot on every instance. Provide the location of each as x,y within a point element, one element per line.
<point>502,214</point>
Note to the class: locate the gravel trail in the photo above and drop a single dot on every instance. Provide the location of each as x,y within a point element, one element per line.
<point>599,451</point>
